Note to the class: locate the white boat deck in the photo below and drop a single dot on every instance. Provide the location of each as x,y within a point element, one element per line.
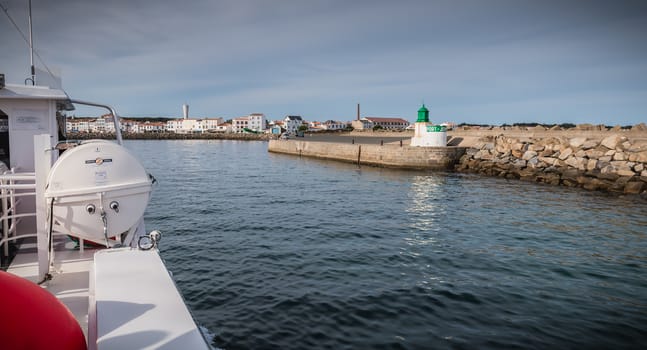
<point>122,298</point>
<point>70,275</point>
<point>136,304</point>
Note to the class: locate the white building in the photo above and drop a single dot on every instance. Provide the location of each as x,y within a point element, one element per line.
<point>362,124</point>
<point>102,124</point>
<point>153,126</point>
<point>211,124</point>
<point>98,125</point>
<point>174,125</point>
<point>134,127</point>
<point>254,122</point>
<point>291,123</point>
<point>78,125</point>
<point>193,126</point>
<point>238,124</point>
<point>257,122</point>
<point>333,125</point>
<point>385,123</point>
<point>225,127</point>
<point>126,125</point>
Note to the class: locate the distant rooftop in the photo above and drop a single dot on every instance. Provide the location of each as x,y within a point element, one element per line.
<point>386,120</point>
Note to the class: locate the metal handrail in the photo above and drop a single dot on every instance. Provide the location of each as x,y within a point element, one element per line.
<point>18,187</point>
<point>8,239</point>
<point>9,219</point>
<point>15,195</point>
<point>115,118</point>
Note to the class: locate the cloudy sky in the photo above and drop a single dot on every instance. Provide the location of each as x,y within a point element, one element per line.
<point>481,61</point>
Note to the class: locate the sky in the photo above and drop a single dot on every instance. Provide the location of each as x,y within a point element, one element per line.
<point>470,61</point>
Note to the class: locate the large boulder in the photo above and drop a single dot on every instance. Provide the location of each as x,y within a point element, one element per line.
<point>619,156</point>
<point>639,127</point>
<point>638,145</point>
<point>594,153</point>
<point>591,183</point>
<point>577,141</point>
<point>536,148</point>
<point>548,160</point>
<point>634,187</point>
<point>612,141</point>
<point>565,153</point>
<point>517,153</point>
<point>620,183</point>
<point>590,144</point>
<point>608,169</point>
<point>483,154</point>
<point>534,163</point>
<point>549,178</point>
<point>621,165</point>
<point>528,155</point>
<point>571,161</point>
<point>625,145</point>
<point>519,163</point>
<point>640,157</point>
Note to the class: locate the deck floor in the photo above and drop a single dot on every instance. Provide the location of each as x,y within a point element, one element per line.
<point>70,275</point>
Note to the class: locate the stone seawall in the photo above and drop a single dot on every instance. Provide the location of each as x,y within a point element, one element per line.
<point>614,163</point>
<point>393,156</point>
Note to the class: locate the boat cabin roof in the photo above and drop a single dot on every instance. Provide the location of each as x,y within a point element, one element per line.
<point>27,92</point>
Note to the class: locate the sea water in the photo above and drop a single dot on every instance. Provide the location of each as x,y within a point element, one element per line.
<point>277,251</point>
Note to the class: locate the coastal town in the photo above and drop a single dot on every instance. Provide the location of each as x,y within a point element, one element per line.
<point>252,123</point>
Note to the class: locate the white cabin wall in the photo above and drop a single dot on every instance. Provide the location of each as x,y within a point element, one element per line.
<point>27,118</point>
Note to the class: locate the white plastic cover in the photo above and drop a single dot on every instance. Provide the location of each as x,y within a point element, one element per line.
<point>97,174</point>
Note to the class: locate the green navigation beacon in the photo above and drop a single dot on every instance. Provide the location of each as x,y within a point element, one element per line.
<point>423,115</point>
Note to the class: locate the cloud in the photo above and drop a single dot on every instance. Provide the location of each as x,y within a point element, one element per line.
<point>474,60</point>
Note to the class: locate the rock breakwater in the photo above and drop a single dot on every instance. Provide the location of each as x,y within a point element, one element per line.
<point>613,163</point>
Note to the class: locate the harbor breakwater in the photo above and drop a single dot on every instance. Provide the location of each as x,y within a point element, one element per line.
<point>388,155</point>
<point>605,160</point>
<point>614,163</point>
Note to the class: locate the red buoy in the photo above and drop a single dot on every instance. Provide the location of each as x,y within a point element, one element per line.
<point>32,318</point>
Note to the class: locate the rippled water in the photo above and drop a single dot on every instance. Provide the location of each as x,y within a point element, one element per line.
<point>276,251</point>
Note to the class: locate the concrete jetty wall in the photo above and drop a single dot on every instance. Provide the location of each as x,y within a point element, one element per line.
<point>396,156</point>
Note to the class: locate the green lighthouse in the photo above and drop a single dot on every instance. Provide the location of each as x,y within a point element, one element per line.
<point>423,115</point>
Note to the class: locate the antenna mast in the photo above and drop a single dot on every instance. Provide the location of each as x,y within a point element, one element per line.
<point>31,51</point>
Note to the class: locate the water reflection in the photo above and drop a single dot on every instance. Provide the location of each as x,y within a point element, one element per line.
<point>426,212</point>
<point>426,208</point>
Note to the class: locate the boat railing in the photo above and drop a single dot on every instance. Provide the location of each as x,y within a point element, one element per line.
<point>115,117</point>
<point>14,187</point>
